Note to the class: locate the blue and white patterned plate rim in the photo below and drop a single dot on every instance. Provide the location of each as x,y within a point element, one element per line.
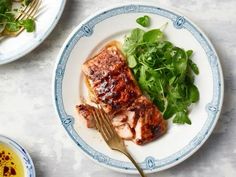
<point>28,163</point>
<point>150,164</point>
<point>18,55</point>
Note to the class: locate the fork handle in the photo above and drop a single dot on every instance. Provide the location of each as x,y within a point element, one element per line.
<point>134,162</point>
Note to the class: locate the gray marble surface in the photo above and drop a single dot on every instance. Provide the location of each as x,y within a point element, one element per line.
<point>27,113</point>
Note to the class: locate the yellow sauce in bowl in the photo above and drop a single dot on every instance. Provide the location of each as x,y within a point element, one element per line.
<point>10,163</point>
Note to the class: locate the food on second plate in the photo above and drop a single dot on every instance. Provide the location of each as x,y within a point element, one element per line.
<point>8,15</point>
<point>10,163</point>
<point>112,85</point>
<point>163,71</point>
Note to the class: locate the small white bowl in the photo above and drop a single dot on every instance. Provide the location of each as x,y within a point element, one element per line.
<point>27,162</point>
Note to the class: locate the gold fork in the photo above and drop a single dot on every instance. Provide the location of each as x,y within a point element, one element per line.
<point>28,11</point>
<point>110,136</point>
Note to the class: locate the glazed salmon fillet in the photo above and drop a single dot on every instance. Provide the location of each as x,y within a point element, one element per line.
<point>112,85</point>
<point>110,79</point>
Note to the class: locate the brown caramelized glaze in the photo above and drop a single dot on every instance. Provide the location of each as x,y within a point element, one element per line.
<point>112,84</point>
<point>111,79</point>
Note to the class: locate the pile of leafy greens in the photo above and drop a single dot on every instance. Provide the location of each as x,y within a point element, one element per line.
<point>8,20</point>
<point>163,71</point>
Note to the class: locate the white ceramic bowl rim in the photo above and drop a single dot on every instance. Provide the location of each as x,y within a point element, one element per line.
<point>27,161</point>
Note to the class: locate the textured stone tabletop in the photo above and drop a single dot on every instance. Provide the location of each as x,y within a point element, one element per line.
<point>28,116</point>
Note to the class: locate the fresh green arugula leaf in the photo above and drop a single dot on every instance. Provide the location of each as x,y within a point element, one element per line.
<point>189,53</point>
<point>194,67</point>
<point>170,111</point>
<point>142,77</point>
<point>132,40</point>
<point>180,65</point>
<point>12,27</point>
<point>182,118</point>
<point>28,24</point>
<point>132,61</point>
<point>144,21</point>
<point>193,93</point>
<point>5,5</point>
<point>163,71</point>
<point>154,35</point>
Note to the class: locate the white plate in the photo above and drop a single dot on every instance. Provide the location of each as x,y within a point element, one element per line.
<point>181,141</point>
<point>28,165</point>
<point>13,48</point>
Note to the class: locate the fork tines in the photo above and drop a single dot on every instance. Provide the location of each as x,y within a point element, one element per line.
<point>29,10</point>
<point>103,123</point>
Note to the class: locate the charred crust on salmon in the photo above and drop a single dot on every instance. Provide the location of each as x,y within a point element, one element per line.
<point>113,86</point>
